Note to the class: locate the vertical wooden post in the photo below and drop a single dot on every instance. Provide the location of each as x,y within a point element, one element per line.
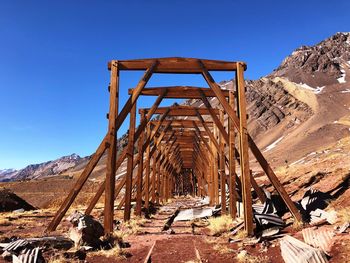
<point>112,150</point>
<point>148,168</point>
<point>154,179</point>
<point>216,174</point>
<point>245,171</point>
<point>140,171</point>
<point>130,163</point>
<point>232,168</point>
<point>158,183</point>
<point>222,167</point>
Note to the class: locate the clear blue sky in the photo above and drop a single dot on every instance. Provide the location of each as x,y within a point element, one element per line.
<point>53,57</point>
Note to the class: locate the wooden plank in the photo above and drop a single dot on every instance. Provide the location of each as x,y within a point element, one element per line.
<point>112,150</point>
<point>179,92</point>
<point>255,150</point>
<point>177,65</point>
<point>78,185</point>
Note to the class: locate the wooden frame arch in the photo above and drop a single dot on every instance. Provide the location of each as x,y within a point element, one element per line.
<point>163,148</point>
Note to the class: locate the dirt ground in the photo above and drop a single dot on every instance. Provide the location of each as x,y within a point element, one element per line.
<point>185,244</point>
<point>326,169</point>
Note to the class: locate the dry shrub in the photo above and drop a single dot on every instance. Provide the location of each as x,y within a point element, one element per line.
<point>115,252</point>
<point>241,234</point>
<point>222,249</point>
<point>343,215</point>
<point>297,225</point>
<point>131,227</point>
<point>219,225</point>
<point>57,259</point>
<point>4,222</point>
<point>244,257</point>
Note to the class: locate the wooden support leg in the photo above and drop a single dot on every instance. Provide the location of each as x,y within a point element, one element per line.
<point>245,172</point>
<point>148,168</point>
<point>222,168</point>
<point>154,179</point>
<point>158,184</point>
<point>140,171</point>
<point>130,166</point>
<point>112,150</point>
<point>232,167</point>
<point>78,185</point>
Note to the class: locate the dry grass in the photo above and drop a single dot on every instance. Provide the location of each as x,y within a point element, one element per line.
<point>4,222</point>
<point>115,252</point>
<point>210,240</point>
<point>57,259</point>
<point>297,225</point>
<point>221,224</point>
<point>241,234</point>
<point>130,228</point>
<point>343,215</point>
<point>244,257</point>
<point>222,249</point>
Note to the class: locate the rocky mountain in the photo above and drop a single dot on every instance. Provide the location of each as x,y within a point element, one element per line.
<point>35,171</point>
<point>319,65</point>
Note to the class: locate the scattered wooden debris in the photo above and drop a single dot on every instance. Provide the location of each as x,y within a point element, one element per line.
<point>170,220</point>
<point>148,257</point>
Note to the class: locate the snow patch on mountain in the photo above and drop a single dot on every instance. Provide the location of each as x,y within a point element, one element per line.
<point>273,145</point>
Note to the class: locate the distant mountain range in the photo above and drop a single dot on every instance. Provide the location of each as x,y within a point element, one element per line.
<point>301,106</point>
<point>35,171</point>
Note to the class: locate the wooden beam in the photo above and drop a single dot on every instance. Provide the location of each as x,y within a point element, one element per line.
<point>183,111</point>
<point>177,65</point>
<point>183,123</point>
<point>179,92</point>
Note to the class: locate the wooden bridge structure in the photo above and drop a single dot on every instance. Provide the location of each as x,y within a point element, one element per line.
<point>184,142</point>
